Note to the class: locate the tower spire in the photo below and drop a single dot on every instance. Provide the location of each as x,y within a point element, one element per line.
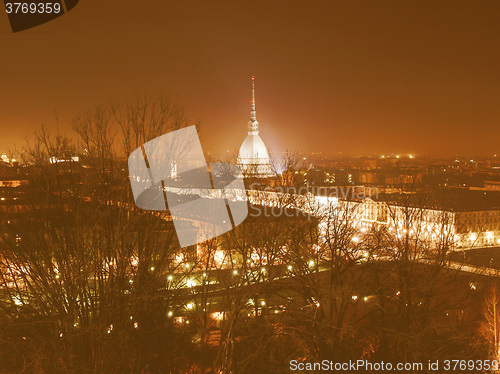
<point>253,156</point>
<point>253,113</point>
<point>253,125</point>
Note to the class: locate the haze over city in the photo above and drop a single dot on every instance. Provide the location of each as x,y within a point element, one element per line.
<point>351,78</point>
<point>250,187</point>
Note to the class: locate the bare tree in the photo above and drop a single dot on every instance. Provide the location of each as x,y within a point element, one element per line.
<point>83,272</point>
<point>491,325</point>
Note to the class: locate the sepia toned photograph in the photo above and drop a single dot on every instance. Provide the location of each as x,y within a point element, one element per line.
<point>249,187</point>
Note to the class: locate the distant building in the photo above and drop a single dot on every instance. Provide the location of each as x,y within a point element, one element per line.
<point>253,157</point>
<point>13,182</point>
<point>492,186</point>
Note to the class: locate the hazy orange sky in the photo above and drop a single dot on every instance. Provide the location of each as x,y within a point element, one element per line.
<point>358,77</point>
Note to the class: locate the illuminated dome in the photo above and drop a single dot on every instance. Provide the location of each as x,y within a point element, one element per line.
<point>253,157</point>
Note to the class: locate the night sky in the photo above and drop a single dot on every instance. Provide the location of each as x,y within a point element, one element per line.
<point>357,77</point>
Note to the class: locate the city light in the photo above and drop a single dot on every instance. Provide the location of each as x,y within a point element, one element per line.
<point>218,316</point>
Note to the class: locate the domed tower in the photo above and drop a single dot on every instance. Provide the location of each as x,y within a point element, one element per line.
<point>253,157</point>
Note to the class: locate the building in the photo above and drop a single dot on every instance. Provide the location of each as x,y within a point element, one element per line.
<point>13,182</point>
<point>253,157</point>
<point>471,225</point>
<point>492,186</point>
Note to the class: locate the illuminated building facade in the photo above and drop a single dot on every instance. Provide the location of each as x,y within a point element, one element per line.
<point>468,228</point>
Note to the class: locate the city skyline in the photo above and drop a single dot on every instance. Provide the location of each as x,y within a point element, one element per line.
<point>402,78</point>
<point>249,187</point>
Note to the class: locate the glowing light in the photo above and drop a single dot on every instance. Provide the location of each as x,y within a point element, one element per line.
<point>18,300</point>
<point>311,263</point>
<point>179,258</point>
<point>170,313</point>
<point>179,320</point>
<point>219,256</point>
<point>235,272</point>
<point>289,267</point>
<point>218,316</point>
<point>134,261</point>
<point>190,306</point>
<point>263,303</point>
<point>354,297</point>
<point>170,277</point>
